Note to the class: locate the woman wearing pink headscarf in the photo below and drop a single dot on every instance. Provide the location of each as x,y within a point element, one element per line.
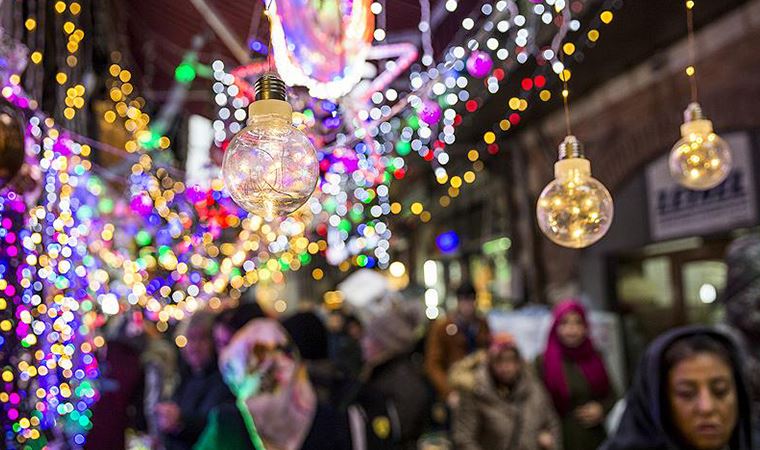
<point>575,377</point>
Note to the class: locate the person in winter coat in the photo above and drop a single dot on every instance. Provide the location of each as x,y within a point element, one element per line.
<point>502,405</point>
<point>391,405</point>
<point>689,394</point>
<point>200,389</point>
<point>742,301</point>
<point>452,338</point>
<point>575,377</point>
<point>275,403</point>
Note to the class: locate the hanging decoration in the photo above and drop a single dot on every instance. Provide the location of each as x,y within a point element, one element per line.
<point>574,210</point>
<point>270,168</point>
<point>700,160</point>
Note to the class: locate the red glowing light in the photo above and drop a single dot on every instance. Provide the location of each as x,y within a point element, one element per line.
<point>471,105</point>
<point>514,118</point>
<point>539,81</point>
<point>527,84</point>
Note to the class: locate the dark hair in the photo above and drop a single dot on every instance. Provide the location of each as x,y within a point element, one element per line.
<point>466,290</point>
<point>236,318</point>
<point>689,346</point>
<point>308,334</point>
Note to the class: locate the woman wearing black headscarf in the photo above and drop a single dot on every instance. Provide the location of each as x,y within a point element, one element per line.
<point>689,394</point>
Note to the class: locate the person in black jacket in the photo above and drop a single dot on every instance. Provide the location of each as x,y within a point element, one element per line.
<point>689,394</point>
<point>392,402</point>
<point>201,387</point>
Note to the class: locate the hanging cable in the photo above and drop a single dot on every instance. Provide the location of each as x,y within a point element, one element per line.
<point>690,70</point>
<point>564,76</point>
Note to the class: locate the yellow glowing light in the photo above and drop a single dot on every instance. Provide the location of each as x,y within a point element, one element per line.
<point>456,182</point>
<point>593,35</point>
<point>523,105</point>
<point>473,155</point>
<point>36,57</point>
<point>61,77</point>
<point>690,71</point>
<point>69,113</point>
<point>125,76</point>
<point>444,201</point>
<point>68,27</point>
<point>180,340</point>
<point>565,75</point>
<point>425,217</point>
<point>114,70</point>
<point>60,7</point>
<point>395,207</point>
<point>565,93</point>
<point>469,176</point>
<point>568,48</point>
<point>453,192</point>
<point>442,178</point>
<point>71,60</point>
<point>30,24</point>
<point>489,137</point>
<point>545,95</point>
<point>317,274</point>
<point>416,208</point>
<point>72,47</point>
<point>514,103</point>
<point>504,124</point>
<point>606,16</point>
<point>75,8</point>
<point>690,4</point>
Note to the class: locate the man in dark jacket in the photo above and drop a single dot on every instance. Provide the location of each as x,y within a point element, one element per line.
<point>201,386</point>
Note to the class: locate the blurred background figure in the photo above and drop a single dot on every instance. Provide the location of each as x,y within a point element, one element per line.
<point>310,336</point>
<point>391,404</point>
<point>452,338</point>
<point>502,405</point>
<point>200,389</point>
<point>344,343</point>
<point>229,321</point>
<point>689,394</point>
<point>275,402</point>
<point>742,302</point>
<point>121,389</point>
<point>575,377</point>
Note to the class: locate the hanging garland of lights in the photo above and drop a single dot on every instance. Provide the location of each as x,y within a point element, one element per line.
<point>701,159</point>
<point>574,210</point>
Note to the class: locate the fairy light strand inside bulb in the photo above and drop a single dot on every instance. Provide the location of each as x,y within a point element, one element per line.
<point>574,210</point>
<point>270,168</point>
<point>700,160</point>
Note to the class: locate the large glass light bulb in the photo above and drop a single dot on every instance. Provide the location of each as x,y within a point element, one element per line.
<point>575,210</point>
<point>700,160</point>
<point>270,167</point>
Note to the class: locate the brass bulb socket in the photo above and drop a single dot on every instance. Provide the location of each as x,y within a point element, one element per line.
<point>570,147</point>
<point>270,87</point>
<point>693,112</point>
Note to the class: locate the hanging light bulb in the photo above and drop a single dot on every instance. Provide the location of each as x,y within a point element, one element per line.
<point>575,210</point>
<point>700,160</point>
<point>270,167</point>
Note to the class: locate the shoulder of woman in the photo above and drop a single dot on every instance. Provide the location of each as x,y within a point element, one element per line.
<point>464,375</point>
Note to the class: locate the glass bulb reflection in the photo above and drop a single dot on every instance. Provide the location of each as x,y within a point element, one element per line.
<point>270,168</point>
<point>700,160</point>
<point>575,210</point>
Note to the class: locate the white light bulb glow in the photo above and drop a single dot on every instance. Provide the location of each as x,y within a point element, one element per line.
<point>270,168</point>
<point>700,160</point>
<point>574,210</point>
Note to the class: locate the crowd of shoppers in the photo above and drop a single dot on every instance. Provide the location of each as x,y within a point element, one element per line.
<point>339,381</point>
